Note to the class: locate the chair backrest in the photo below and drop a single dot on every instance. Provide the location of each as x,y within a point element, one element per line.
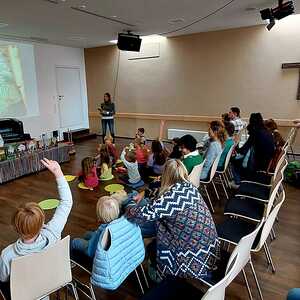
<point>275,190</point>
<point>279,163</point>
<point>36,275</point>
<point>217,292</point>
<point>293,137</point>
<point>214,167</point>
<point>242,251</point>
<point>269,222</point>
<point>195,175</point>
<point>228,156</point>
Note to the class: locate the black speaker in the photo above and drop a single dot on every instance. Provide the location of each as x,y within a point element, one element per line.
<point>129,42</point>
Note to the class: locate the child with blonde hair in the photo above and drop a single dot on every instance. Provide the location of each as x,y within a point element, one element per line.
<point>107,210</point>
<point>28,221</point>
<point>108,141</point>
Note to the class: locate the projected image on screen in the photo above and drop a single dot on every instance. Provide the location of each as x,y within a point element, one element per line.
<point>12,94</point>
<point>18,81</point>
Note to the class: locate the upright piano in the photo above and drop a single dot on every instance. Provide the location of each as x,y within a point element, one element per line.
<point>12,131</point>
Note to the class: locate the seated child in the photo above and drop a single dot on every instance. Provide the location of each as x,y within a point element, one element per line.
<point>105,163</point>
<point>141,135</point>
<point>108,140</point>
<point>28,221</point>
<point>157,159</point>
<point>88,174</point>
<point>176,153</point>
<point>128,158</point>
<point>191,156</point>
<point>107,210</point>
<point>142,154</point>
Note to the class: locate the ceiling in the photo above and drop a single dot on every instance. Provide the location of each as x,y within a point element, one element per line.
<point>91,23</point>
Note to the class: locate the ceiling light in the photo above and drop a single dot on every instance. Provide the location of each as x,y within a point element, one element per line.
<point>176,21</point>
<point>82,6</point>
<point>281,11</point>
<point>146,38</point>
<point>76,38</point>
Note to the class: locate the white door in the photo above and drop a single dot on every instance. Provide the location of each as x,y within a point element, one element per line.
<point>69,96</point>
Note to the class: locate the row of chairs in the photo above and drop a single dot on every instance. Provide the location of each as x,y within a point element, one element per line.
<point>251,212</point>
<point>255,206</point>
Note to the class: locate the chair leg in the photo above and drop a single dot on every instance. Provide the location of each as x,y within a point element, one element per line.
<point>92,292</point>
<point>256,280</point>
<point>273,233</point>
<point>74,290</point>
<point>215,189</point>
<point>267,256</point>
<point>145,277</point>
<point>270,258</point>
<point>138,278</point>
<point>247,284</point>
<point>211,206</point>
<point>221,179</point>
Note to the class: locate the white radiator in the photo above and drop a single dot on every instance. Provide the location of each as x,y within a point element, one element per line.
<point>198,135</point>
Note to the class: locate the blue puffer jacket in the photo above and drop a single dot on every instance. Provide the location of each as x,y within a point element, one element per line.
<point>125,253</point>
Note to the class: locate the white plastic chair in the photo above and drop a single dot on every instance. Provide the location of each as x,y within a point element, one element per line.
<point>210,180</point>
<point>279,165</point>
<point>217,291</point>
<point>194,176</point>
<point>277,177</point>
<point>36,276</point>
<point>267,230</point>
<point>242,254</point>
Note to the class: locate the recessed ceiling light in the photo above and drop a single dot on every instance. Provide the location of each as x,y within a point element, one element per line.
<point>82,6</point>
<point>251,9</point>
<point>176,21</point>
<point>3,25</point>
<point>76,38</point>
<point>113,16</point>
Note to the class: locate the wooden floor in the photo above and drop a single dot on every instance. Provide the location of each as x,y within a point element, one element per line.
<point>285,249</point>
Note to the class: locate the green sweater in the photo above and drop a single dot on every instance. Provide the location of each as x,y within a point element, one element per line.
<point>191,161</point>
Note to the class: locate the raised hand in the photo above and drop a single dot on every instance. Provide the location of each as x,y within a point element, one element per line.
<point>53,166</point>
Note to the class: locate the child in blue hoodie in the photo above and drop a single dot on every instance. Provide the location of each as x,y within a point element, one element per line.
<point>34,235</point>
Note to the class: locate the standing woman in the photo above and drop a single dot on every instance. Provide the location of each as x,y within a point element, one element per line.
<point>108,111</point>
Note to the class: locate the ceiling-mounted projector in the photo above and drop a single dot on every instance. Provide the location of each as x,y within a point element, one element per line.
<point>281,11</point>
<point>129,42</point>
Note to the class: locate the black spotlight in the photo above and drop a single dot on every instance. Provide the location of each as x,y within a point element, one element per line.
<point>281,11</point>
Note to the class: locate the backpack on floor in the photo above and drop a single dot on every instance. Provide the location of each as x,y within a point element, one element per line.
<point>292,173</point>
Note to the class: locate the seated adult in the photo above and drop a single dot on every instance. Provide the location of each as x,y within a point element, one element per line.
<point>187,243</point>
<point>235,119</point>
<point>258,150</point>
<point>217,135</point>
<point>229,127</point>
<point>191,156</point>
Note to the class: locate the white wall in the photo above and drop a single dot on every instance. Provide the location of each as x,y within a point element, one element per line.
<point>47,57</point>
